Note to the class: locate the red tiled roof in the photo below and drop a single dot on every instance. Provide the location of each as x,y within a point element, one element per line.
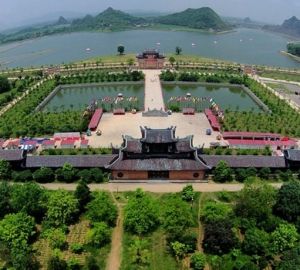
<point>95,118</point>
<point>262,142</point>
<point>67,142</point>
<point>158,135</point>
<point>48,142</point>
<point>15,142</point>
<point>250,134</point>
<point>30,143</point>
<point>85,142</point>
<point>212,119</point>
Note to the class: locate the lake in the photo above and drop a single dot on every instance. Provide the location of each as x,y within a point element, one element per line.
<point>246,46</point>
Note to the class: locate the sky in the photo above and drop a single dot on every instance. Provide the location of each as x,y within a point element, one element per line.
<point>15,12</point>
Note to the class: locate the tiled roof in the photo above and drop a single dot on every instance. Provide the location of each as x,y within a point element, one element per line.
<point>132,145</point>
<point>245,161</point>
<point>158,164</point>
<point>158,135</point>
<point>57,161</point>
<point>185,145</point>
<point>292,154</point>
<point>11,155</point>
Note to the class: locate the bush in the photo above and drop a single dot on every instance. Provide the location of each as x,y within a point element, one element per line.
<point>77,248</point>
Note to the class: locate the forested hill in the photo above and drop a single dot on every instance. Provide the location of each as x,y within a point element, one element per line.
<point>109,19</point>
<point>290,27</point>
<point>202,18</point>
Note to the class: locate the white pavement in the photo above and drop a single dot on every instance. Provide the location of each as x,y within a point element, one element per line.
<point>153,93</point>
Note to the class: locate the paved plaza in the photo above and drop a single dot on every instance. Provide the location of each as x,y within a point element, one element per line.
<point>114,126</point>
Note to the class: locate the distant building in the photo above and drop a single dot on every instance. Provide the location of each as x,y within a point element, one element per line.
<point>150,59</point>
<point>52,71</point>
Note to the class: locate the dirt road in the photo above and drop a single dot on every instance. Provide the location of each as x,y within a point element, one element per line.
<point>157,187</point>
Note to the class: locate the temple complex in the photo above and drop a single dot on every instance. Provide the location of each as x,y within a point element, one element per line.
<point>158,155</point>
<point>150,59</point>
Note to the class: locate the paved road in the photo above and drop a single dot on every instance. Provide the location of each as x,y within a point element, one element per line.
<point>156,187</point>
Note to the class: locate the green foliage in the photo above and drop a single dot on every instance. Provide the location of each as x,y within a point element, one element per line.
<point>85,175</point>
<point>77,248</point>
<point>188,193</point>
<point>74,264</point>
<point>99,235</point>
<point>22,176</point>
<point>293,48</point>
<point>167,75</point>
<point>56,237</point>
<point>180,250</point>
<point>4,84</point>
<point>141,214</point>
<point>29,198</point>
<point>213,211</point>
<point>82,194</point>
<point>284,237</point>
<point>287,202</point>
<point>102,209</point>
<point>5,170</point>
<point>222,172</point>
<point>121,49</point>
<point>172,60</point>
<point>290,260</point>
<point>224,196</point>
<point>44,175</point>
<point>264,173</point>
<point>201,18</point>
<point>256,242</point>
<point>177,216</point>
<point>5,205</point>
<point>55,262</point>
<point>255,200</point>
<point>62,207</point>
<point>219,237</point>
<point>16,230</point>
<point>178,50</point>
<point>198,261</point>
<point>139,251</point>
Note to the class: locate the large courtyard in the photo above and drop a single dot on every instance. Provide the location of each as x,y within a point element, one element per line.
<point>114,126</point>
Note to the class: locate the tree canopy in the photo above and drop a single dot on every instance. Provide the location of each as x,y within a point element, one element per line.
<point>288,201</point>
<point>141,213</point>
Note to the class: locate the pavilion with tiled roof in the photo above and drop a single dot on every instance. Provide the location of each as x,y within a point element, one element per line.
<point>158,155</point>
<point>150,59</point>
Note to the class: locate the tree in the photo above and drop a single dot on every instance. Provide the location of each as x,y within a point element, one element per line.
<point>198,261</point>
<point>213,211</point>
<point>5,170</point>
<point>290,260</point>
<point>57,238</point>
<point>255,201</point>
<point>284,237</point>
<point>180,250</point>
<point>256,242</point>
<point>97,175</point>
<point>29,198</point>
<point>188,192</point>
<point>219,237</point>
<point>44,175</point>
<point>85,175</point>
<point>62,207</point>
<point>178,50</point>
<point>222,172</point>
<point>288,201</point>
<point>264,173</point>
<point>130,61</point>
<point>101,208</point>
<point>83,195</point>
<point>177,216</point>
<point>4,84</point>
<point>55,262</point>
<point>141,213</point>
<point>99,235</point>
<point>121,49</point>
<point>16,230</point>
<point>5,205</point>
<point>139,251</point>
<point>172,60</point>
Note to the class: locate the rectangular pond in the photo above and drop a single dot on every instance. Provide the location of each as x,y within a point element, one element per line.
<point>107,95</point>
<point>227,97</point>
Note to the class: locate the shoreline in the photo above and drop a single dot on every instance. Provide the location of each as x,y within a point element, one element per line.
<point>297,58</point>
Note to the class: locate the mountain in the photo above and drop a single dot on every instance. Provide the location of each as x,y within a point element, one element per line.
<point>202,18</point>
<point>109,19</point>
<point>290,27</point>
<point>61,21</point>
